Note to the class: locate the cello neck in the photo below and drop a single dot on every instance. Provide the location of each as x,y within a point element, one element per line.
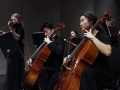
<point>37,51</point>
<point>95,25</point>
<point>83,40</point>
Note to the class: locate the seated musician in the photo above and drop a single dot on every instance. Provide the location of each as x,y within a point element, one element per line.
<point>99,74</point>
<point>74,40</point>
<point>55,59</point>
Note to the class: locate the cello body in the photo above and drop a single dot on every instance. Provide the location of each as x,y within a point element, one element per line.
<point>84,57</point>
<point>34,71</point>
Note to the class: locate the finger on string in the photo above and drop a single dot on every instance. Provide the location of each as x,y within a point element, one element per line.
<point>90,30</point>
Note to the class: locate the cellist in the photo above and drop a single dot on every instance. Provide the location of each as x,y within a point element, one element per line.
<point>55,59</point>
<point>99,74</point>
<point>74,40</point>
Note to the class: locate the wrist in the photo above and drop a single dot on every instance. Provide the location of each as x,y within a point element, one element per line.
<point>93,38</point>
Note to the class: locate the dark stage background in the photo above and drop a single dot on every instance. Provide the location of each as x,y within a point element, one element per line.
<point>35,12</point>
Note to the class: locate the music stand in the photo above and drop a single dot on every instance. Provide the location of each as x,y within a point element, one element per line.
<point>38,38</point>
<point>8,42</point>
<point>12,53</point>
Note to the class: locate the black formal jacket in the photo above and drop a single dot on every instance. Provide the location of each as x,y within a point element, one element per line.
<point>55,58</point>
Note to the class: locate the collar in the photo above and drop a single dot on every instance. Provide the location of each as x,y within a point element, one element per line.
<point>53,36</point>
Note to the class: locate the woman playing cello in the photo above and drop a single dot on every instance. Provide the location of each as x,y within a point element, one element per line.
<point>99,74</point>
<point>74,40</point>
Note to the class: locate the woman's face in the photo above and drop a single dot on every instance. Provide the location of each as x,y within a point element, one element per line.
<point>14,19</point>
<point>84,23</point>
<point>72,34</point>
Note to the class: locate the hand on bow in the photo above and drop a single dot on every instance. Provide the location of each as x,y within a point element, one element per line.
<point>66,60</point>
<point>29,62</point>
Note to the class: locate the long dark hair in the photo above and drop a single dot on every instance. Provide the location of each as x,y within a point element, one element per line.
<point>76,33</point>
<point>93,19</point>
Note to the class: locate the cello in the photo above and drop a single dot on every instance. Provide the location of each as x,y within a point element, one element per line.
<point>42,54</point>
<point>83,56</point>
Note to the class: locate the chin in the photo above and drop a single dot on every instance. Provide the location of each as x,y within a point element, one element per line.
<point>83,29</point>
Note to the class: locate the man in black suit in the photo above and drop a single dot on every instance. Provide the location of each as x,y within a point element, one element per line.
<point>55,59</point>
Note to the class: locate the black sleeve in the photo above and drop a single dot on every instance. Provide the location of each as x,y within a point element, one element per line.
<point>103,37</point>
<point>20,31</point>
<point>57,46</point>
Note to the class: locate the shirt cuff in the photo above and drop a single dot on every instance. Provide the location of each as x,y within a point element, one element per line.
<point>49,42</point>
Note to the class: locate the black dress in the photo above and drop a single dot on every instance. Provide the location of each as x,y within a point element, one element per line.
<point>20,30</point>
<point>76,41</point>
<point>99,74</point>
<point>16,65</point>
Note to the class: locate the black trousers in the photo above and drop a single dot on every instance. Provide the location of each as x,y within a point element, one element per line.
<point>44,76</point>
<point>53,81</point>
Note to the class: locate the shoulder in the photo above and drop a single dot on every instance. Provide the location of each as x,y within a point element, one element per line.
<point>101,34</point>
<point>20,26</point>
<point>103,37</point>
<point>58,38</point>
